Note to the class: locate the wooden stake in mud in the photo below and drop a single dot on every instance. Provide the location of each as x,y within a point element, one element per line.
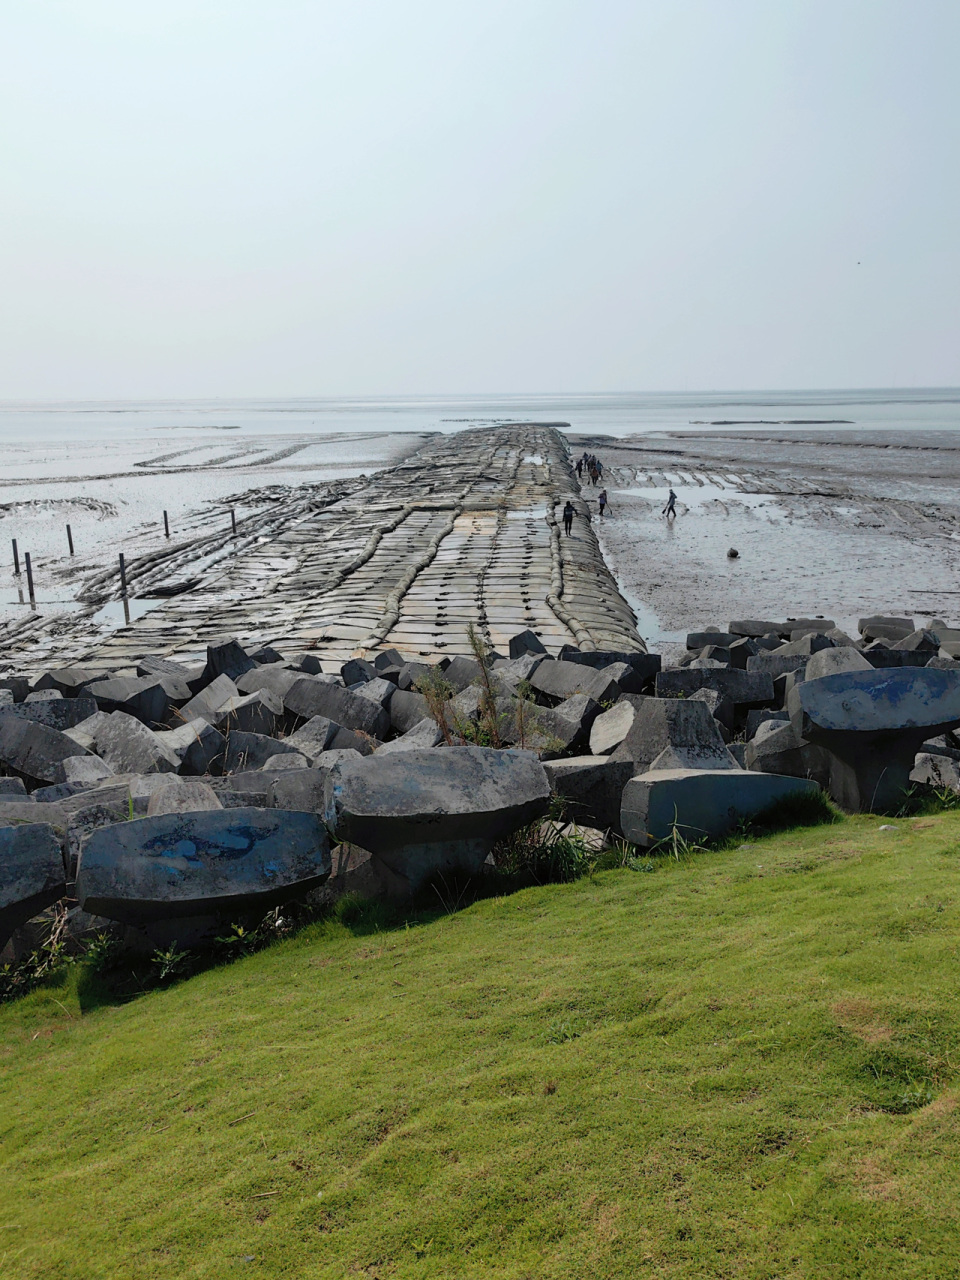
<point>16,559</point>
<point>26,561</point>
<point>70,539</point>
<point>166,525</point>
<point>233,521</point>
<point>123,575</point>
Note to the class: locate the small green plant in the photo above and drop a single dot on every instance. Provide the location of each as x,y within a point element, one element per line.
<point>437,691</point>
<point>489,719</point>
<point>239,941</point>
<point>545,852</point>
<point>23,975</point>
<point>562,1033</point>
<point>171,963</point>
<point>675,844</point>
<point>103,951</point>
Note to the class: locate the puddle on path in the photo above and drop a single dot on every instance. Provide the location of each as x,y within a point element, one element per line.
<point>112,613</point>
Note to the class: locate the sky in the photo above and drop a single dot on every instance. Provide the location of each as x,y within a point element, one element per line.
<point>376,197</point>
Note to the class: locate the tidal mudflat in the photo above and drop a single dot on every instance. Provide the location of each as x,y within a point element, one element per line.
<point>844,525</point>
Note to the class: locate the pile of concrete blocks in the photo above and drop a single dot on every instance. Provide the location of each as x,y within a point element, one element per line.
<point>178,792</point>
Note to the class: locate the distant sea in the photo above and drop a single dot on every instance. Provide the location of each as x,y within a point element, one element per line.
<point>622,413</point>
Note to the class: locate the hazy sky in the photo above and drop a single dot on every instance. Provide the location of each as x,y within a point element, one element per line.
<point>404,196</point>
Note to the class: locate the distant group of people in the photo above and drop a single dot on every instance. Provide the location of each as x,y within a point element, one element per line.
<point>590,463</point>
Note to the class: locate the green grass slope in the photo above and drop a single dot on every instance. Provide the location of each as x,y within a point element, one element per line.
<point>740,1065</point>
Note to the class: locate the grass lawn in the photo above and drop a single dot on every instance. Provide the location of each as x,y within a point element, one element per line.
<point>742,1064</point>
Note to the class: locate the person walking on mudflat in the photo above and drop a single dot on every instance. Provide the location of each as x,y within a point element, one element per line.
<point>671,508</point>
<point>602,499</point>
<point>568,514</point>
<point>579,468</point>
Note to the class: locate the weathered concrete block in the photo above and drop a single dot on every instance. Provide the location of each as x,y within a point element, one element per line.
<point>525,643</point>
<point>778,748</point>
<point>936,770</point>
<point>407,709</point>
<point>407,675</point>
<point>200,748</point>
<point>225,658</point>
<point>86,769</point>
<point>684,727</point>
<point>31,874</point>
<point>35,751</point>
<point>191,796</point>
<point>697,640</point>
<point>593,786</point>
<point>611,727</point>
<point>722,709</point>
<point>743,688</point>
<point>252,751</point>
<point>12,789</point>
<point>754,627</point>
<point>128,746</point>
<point>70,680</point>
<point>831,661</point>
<point>433,811</point>
<point>560,680</point>
<point>144,698</point>
<point>424,735</point>
<point>19,686</point>
<point>59,713</point>
<point>873,723</point>
<point>644,665</point>
<point>518,669</point>
<point>461,672</point>
<point>300,790</point>
<point>358,671</point>
<point>776,663</point>
<point>210,700</point>
<point>546,730</point>
<point>741,650</point>
<point>882,657</point>
<point>309,697</point>
<point>756,718</point>
<point>922,641</point>
<point>879,627</point>
<point>250,713</point>
<point>278,680</point>
<point>378,690</point>
<point>702,803</point>
<point>313,737</point>
<point>221,862</point>
<point>291,760</point>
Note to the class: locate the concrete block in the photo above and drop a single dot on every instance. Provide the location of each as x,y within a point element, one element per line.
<point>250,713</point>
<point>313,737</point>
<point>200,748</point>
<point>252,750</point>
<point>309,697</point>
<point>754,627</point>
<point>429,812</point>
<point>879,627</point>
<point>684,727</point>
<point>300,790</point>
<point>593,786</point>
<point>70,680</point>
<point>58,713</point>
<point>35,751</point>
<point>278,680</point>
<point>559,680</point>
<point>128,746</point>
<point>86,769</point>
<point>32,874</point>
<point>829,662</point>
<point>743,688</point>
<point>526,643</point>
<point>702,803</point>
<point>378,690</point>
<point>191,796</point>
<point>424,735</point>
<point>292,760</point>
<point>407,709</point>
<point>225,658</point>
<point>222,862</point>
<point>873,723</point>
<point>208,703</point>
<point>145,698</point>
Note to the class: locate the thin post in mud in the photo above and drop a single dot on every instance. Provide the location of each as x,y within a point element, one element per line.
<point>166,525</point>
<point>233,521</point>
<point>123,576</point>
<point>30,591</point>
<point>70,539</point>
<point>16,558</point>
